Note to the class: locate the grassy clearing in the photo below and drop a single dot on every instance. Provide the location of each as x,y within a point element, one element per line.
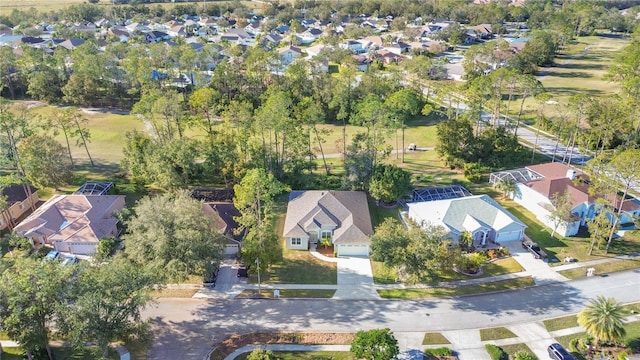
<point>457,291</point>
<point>308,355</point>
<point>290,294</point>
<point>434,338</point>
<point>496,334</point>
<point>576,72</point>
<point>560,323</point>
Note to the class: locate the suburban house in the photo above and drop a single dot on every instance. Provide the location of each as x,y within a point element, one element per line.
<point>353,45</point>
<point>341,216</point>
<point>288,54</point>
<point>19,201</point>
<point>223,214</point>
<point>73,223</point>
<point>536,185</point>
<point>308,36</point>
<point>482,217</point>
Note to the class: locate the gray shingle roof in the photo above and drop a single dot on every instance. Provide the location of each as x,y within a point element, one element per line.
<point>347,211</point>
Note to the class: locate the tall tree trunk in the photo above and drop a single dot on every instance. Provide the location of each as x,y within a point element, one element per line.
<point>84,142</point>
<point>324,160</point>
<point>616,218</point>
<point>515,132</point>
<point>535,145</point>
<point>403,146</point>
<point>66,137</point>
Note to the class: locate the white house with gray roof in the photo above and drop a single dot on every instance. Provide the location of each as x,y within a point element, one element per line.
<point>479,215</point>
<point>342,216</point>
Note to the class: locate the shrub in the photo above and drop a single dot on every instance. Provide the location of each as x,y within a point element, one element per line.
<point>492,254</point>
<point>496,353</point>
<point>42,252</point>
<point>524,355</point>
<point>441,351</point>
<point>473,172</point>
<point>623,355</point>
<point>478,258</point>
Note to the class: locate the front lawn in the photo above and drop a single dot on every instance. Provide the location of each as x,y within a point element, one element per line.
<point>434,338</point>
<point>560,323</point>
<point>632,339</point>
<point>457,291</point>
<point>512,349</point>
<point>290,293</point>
<point>384,275</point>
<point>496,333</point>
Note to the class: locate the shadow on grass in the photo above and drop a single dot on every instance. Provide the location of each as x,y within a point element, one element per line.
<point>582,66</point>
<point>571,74</point>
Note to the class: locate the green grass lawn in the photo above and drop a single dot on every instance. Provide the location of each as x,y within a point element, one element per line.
<point>434,338</point>
<point>298,266</point>
<point>560,323</point>
<point>59,353</point>
<point>383,275</point>
<point>457,291</point>
<point>496,333</point>
<point>290,293</point>
<point>308,355</point>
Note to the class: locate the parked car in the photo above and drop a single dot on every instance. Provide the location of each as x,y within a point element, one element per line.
<point>534,249</point>
<point>52,255</point>
<point>69,260</point>
<point>243,271</point>
<point>557,352</point>
<point>412,147</point>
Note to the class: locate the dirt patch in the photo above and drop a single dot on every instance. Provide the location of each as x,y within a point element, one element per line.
<point>236,341</point>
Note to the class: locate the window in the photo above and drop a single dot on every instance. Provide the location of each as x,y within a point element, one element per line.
<point>296,241</point>
<point>326,234</point>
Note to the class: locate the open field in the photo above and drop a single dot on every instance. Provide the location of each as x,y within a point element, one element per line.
<point>579,69</point>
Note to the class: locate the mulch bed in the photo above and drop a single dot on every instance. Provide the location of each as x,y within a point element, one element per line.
<point>328,251</point>
<point>236,341</point>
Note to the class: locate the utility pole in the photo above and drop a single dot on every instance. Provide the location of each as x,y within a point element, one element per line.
<point>258,265</point>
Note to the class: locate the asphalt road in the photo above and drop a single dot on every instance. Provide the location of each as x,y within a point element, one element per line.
<point>183,328</point>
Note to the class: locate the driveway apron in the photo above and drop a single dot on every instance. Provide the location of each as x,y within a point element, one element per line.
<point>537,268</point>
<point>355,279</point>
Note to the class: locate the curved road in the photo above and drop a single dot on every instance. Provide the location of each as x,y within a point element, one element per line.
<point>183,328</point>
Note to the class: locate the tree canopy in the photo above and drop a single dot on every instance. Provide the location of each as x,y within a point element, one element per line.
<point>172,236</point>
<point>376,344</point>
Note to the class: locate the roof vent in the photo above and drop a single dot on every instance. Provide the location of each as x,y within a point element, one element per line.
<point>571,174</point>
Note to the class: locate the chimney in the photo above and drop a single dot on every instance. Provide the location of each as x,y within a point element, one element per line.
<point>571,174</point>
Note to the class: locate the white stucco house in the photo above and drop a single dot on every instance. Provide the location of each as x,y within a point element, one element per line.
<point>479,215</point>
<point>342,216</point>
<point>73,223</point>
<point>536,185</point>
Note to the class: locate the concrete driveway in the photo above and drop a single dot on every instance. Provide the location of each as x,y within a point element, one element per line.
<point>355,279</point>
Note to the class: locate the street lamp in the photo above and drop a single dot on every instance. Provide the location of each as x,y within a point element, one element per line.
<point>258,265</point>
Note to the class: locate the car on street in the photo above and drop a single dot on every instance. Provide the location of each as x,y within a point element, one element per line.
<point>52,255</point>
<point>412,147</point>
<point>243,270</point>
<point>557,352</point>
<point>534,249</point>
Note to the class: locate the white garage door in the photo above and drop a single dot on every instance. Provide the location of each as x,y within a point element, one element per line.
<point>353,250</point>
<point>510,236</point>
<point>231,249</point>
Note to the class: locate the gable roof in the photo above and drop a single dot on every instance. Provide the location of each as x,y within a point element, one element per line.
<point>223,214</point>
<point>77,218</point>
<point>555,180</point>
<point>464,214</point>
<point>346,212</point>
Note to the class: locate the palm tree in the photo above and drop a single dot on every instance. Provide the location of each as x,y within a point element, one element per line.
<point>602,319</point>
<point>506,186</point>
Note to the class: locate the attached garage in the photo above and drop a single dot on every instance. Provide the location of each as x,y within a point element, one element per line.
<point>505,236</point>
<point>352,250</point>
<point>231,248</point>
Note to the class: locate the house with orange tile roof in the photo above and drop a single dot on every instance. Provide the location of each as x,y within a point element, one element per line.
<point>73,223</point>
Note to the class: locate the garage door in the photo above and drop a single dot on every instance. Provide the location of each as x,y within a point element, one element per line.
<point>231,249</point>
<point>510,236</point>
<point>353,250</point>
